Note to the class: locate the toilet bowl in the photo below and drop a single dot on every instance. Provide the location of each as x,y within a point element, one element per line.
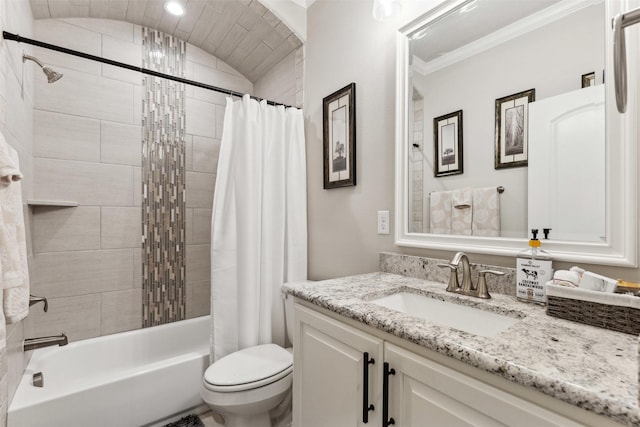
<point>246,385</point>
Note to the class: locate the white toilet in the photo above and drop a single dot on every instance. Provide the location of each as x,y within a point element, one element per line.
<point>246,385</point>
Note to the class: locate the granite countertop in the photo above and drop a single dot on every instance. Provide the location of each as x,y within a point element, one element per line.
<point>592,368</point>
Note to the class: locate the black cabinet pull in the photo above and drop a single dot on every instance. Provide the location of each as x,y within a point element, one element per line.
<point>386,421</point>
<point>365,389</point>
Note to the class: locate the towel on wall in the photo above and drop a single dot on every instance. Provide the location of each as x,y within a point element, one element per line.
<point>14,270</point>
<point>440,212</point>
<point>486,212</point>
<point>462,212</point>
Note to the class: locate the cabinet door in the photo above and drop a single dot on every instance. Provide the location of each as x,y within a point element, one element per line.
<point>329,373</point>
<point>423,393</point>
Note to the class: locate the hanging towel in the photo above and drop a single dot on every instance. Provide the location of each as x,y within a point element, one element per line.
<point>14,271</point>
<point>440,212</point>
<point>461,213</point>
<point>486,212</point>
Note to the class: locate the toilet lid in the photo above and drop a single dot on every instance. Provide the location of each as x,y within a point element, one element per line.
<point>249,368</point>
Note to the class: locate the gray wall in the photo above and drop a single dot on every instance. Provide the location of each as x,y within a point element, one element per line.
<point>343,235</point>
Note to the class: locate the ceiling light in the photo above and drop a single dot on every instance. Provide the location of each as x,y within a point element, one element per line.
<point>174,8</point>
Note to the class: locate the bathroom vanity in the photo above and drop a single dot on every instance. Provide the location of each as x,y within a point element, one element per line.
<point>359,363</point>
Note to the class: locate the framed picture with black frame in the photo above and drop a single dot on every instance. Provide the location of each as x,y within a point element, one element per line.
<point>512,129</point>
<point>447,138</point>
<point>339,137</point>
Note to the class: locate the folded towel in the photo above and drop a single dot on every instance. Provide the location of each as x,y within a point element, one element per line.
<point>440,212</point>
<point>14,271</point>
<point>486,212</point>
<point>462,198</point>
<point>566,278</point>
<point>461,214</point>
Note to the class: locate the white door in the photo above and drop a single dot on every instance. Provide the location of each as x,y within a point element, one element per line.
<point>329,373</point>
<point>566,171</point>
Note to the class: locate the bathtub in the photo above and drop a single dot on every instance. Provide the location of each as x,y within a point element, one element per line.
<point>136,378</point>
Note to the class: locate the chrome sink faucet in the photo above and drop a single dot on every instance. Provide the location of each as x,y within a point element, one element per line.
<point>479,291</point>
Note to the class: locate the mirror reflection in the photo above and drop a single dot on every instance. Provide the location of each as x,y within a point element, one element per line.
<point>509,94</point>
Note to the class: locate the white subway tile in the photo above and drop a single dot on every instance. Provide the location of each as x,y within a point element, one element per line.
<point>205,154</point>
<point>199,189</point>
<point>85,183</point>
<point>64,229</point>
<point>86,95</point>
<point>73,273</point>
<point>121,143</point>
<point>201,118</point>
<point>63,136</point>
<point>78,317</point>
<point>198,263</point>
<point>121,227</point>
<point>121,311</point>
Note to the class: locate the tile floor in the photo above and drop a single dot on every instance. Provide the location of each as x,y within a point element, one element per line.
<point>209,421</point>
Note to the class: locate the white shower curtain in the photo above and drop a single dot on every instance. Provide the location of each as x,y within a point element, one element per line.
<point>259,224</point>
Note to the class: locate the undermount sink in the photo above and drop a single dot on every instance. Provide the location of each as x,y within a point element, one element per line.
<point>461,317</point>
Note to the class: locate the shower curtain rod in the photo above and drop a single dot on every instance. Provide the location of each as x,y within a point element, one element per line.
<point>16,37</point>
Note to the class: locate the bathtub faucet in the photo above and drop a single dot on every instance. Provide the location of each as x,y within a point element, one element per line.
<point>34,343</point>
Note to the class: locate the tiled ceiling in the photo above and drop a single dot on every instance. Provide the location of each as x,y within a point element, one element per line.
<point>243,33</point>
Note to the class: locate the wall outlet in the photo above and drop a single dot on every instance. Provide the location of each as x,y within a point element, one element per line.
<point>383,222</point>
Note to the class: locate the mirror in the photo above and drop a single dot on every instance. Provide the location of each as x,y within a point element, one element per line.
<point>506,122</point>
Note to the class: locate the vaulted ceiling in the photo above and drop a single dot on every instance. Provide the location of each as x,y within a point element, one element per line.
<point>243,33</point>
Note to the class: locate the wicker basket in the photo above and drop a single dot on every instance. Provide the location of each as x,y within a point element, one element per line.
<point>616,312</point>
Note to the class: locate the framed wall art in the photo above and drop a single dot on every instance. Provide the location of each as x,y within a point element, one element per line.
<point>339,137</point>
<point>512,121</point>
<point>447,137</point>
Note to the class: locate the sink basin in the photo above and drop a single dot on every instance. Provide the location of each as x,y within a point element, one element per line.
<point>461,317</point>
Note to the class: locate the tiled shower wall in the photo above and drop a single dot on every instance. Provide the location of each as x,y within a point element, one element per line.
<point>88,149</point>
<point>16,124</point>
<point>80,140</point>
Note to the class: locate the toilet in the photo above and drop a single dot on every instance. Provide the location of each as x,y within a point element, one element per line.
<point>246,385</point>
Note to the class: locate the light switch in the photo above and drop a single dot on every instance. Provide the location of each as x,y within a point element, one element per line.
<point>383,222</point>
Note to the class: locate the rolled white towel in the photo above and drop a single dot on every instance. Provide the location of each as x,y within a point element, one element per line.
<point>566,278</point>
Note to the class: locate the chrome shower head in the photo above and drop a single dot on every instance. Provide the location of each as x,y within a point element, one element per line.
<point>52,76</point>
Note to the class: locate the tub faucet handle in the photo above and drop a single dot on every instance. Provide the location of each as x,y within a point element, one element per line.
<point>34,300</point>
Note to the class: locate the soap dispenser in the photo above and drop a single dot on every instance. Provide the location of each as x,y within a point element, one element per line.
<point>533,270</point>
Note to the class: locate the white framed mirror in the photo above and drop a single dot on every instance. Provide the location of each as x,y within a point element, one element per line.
<point>538,121</point>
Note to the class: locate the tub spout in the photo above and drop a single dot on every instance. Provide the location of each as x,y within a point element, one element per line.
<point>34,343</point>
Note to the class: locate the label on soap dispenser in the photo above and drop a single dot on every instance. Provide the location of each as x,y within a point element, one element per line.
<point>531,276</point>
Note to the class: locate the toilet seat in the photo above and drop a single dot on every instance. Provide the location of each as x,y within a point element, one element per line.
<point>248,369</point>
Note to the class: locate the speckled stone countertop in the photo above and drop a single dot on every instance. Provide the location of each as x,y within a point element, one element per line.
<point>591,368</point>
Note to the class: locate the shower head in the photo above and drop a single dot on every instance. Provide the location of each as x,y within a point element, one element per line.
<point>52,76</point>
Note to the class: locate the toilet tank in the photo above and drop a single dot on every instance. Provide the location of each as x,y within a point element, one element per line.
<point>288,312</point>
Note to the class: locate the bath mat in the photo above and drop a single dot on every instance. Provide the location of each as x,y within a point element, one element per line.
<point>188,421</point>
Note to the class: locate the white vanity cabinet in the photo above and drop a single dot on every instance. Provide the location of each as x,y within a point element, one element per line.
<point>425,393</point>
<point>329,384</point>
<point>330,373</point>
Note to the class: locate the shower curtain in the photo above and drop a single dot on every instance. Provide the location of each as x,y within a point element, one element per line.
<point>259,224</point>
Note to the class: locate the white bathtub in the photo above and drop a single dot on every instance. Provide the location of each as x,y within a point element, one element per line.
<point>135,378</point>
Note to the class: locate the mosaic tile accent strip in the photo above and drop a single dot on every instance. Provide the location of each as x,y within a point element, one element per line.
<point>163,181</point>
